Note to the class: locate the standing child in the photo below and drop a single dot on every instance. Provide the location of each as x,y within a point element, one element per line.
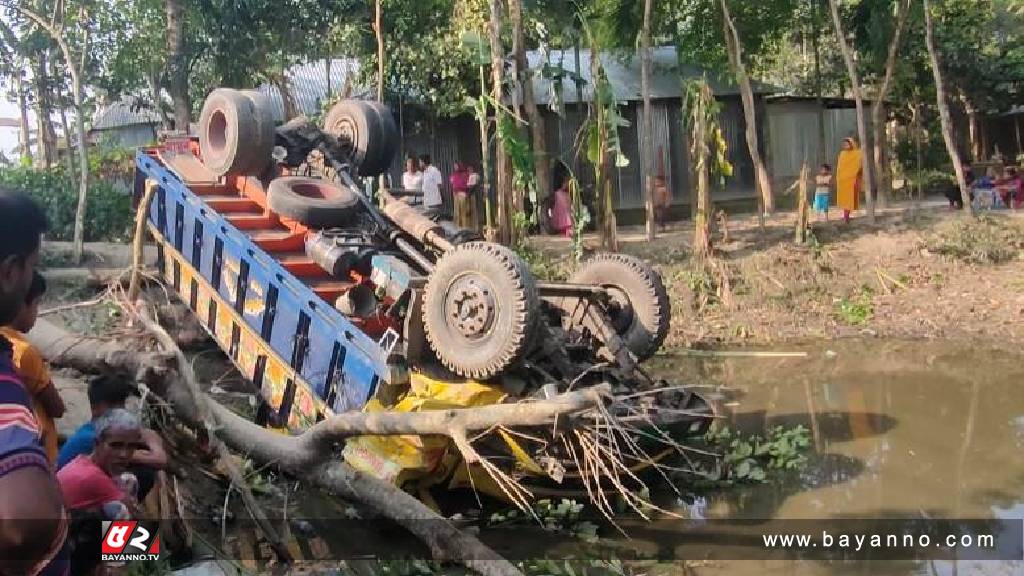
<point>823,185</point>
<point>30,366</point>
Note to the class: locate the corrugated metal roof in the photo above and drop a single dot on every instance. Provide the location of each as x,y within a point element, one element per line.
<point>308,83</point>
<point>624,75</point>
<point>128,111</point>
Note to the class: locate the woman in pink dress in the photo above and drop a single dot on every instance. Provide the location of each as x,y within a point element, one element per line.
<point>561,210</point>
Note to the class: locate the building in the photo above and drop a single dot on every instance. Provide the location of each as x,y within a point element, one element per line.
<point>308,84</point>
<point>573,92</point>
<point>128,123</point>
<point>564,96</point>
<point>793,134</point>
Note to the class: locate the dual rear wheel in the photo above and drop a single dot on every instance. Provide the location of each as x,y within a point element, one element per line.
<point>236,133</point>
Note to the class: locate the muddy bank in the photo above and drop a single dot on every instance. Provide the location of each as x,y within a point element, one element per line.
<point>914,274</point>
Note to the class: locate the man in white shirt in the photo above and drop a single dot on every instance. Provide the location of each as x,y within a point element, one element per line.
<point>412,178</point>
<point>431,185</point>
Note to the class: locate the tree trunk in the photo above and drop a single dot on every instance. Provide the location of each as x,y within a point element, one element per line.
<point>943,105</point>
<point>519,66</point>
<point>802,210</point>
<point>291,110</point>
<point>177,68</point>
<point>378,32</point>
<point>68,159</point>
<point>44,127</point>
<point>1020,144</point>
<point>645,89</point>
<point>918,151</point>
<point>541,169</point>
<point>580,110</point>
<point>974,124</point>
<point>858,97</point>
<point>702,216</point>
<point>153,78</point>
<point>83,165</point>
<point>327,75</point>
<point>603,183</point>
<point>735,50</point>
<point>878,108</point>
<point>24,132</point>
<point>485,161</point>
<point>503,184</point>
<point>816,41</point>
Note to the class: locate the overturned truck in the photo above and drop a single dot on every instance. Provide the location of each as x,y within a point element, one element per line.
<point>330,301</point>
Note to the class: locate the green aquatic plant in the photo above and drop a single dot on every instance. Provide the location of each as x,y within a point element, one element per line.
<point>752,459</point>
<point>563,517</point>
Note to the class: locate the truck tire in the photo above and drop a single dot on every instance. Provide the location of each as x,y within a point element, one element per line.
<point>266,136</point>
<point>640,310</point>
<point>480,309</point>
<point>389,144</point>
<point>313,202</point>
<point>234,138</point>
<point>371,131</point>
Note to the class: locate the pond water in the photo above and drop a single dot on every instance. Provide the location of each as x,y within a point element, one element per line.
<point>899,429</point>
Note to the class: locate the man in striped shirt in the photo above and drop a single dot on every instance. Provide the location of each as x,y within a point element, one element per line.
<point>32,520</point>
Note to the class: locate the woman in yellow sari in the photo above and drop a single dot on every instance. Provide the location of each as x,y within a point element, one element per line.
<point>848,177</point>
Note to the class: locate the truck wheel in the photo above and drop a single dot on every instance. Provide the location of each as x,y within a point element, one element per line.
<point>640,309</point>
<point>234,137</point>
<point>315,203</point>
<point>264,118</point>
<point>371,131</point>
<point>480,308</point>
<point>389,144</point>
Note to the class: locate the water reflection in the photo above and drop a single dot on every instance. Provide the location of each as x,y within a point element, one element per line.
<point>900,429</point>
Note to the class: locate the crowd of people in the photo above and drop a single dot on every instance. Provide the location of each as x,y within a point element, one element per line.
<point>422,176</point>
<point>998,187</point>
<point>53,498</point>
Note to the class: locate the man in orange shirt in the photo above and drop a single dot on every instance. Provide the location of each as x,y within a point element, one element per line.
<point>30,366</point>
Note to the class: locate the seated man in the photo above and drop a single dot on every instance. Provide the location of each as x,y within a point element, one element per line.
<point>97,486</point>
<point>100,480</point>
<point>984,191</point>
<point>108,393</point>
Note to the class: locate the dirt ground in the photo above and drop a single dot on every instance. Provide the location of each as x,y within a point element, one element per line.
<point>924,273</point>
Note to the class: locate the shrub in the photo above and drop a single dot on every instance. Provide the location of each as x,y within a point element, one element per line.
<point>108,212</point>
<point>982,240</point>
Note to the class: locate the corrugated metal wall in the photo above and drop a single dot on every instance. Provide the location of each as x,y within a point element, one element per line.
<point>678,152</point>
<point>628,178</point>
<point>457,139</point>
<point>793,130</point>
<point>734,125</point>
<point>665,153</point>
<point>447,141</point>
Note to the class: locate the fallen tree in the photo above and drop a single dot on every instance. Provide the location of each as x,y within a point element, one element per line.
<point>310,456</point>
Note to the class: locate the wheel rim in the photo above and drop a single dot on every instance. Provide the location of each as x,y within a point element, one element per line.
<point>470,308</point>
<point>344,127</point>
<point>216,133</point>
